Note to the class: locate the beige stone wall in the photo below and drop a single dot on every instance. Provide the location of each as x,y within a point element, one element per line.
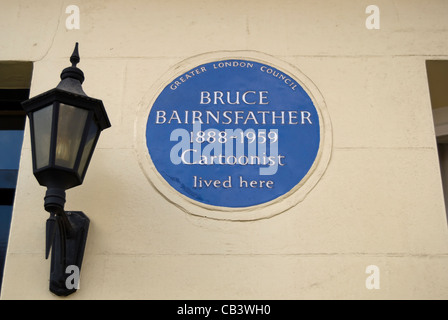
<point>380,201</point>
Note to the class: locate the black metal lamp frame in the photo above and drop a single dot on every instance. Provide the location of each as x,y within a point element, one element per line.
<point>66,231</point>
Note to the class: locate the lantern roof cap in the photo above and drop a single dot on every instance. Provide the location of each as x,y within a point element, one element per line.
<point>72,77</point>
<point>69,91</point>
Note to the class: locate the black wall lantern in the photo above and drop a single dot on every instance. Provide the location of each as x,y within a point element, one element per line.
<point>65,126</point>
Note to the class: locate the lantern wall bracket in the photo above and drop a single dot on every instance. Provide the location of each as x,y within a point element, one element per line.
<point>66,236</point>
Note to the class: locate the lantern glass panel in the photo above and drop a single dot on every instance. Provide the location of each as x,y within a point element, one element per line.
<point>71,123</point>
<point>42,123</point>
<point>91,138</point>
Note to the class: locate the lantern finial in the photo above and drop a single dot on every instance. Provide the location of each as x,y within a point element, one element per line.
<point>74,59</point>
<point>72,77</point>
<point>73,72</point>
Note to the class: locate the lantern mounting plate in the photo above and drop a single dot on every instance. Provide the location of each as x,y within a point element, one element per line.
<point>67,250</point>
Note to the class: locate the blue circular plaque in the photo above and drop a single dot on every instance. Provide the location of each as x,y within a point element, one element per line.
<point>233,133</point>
